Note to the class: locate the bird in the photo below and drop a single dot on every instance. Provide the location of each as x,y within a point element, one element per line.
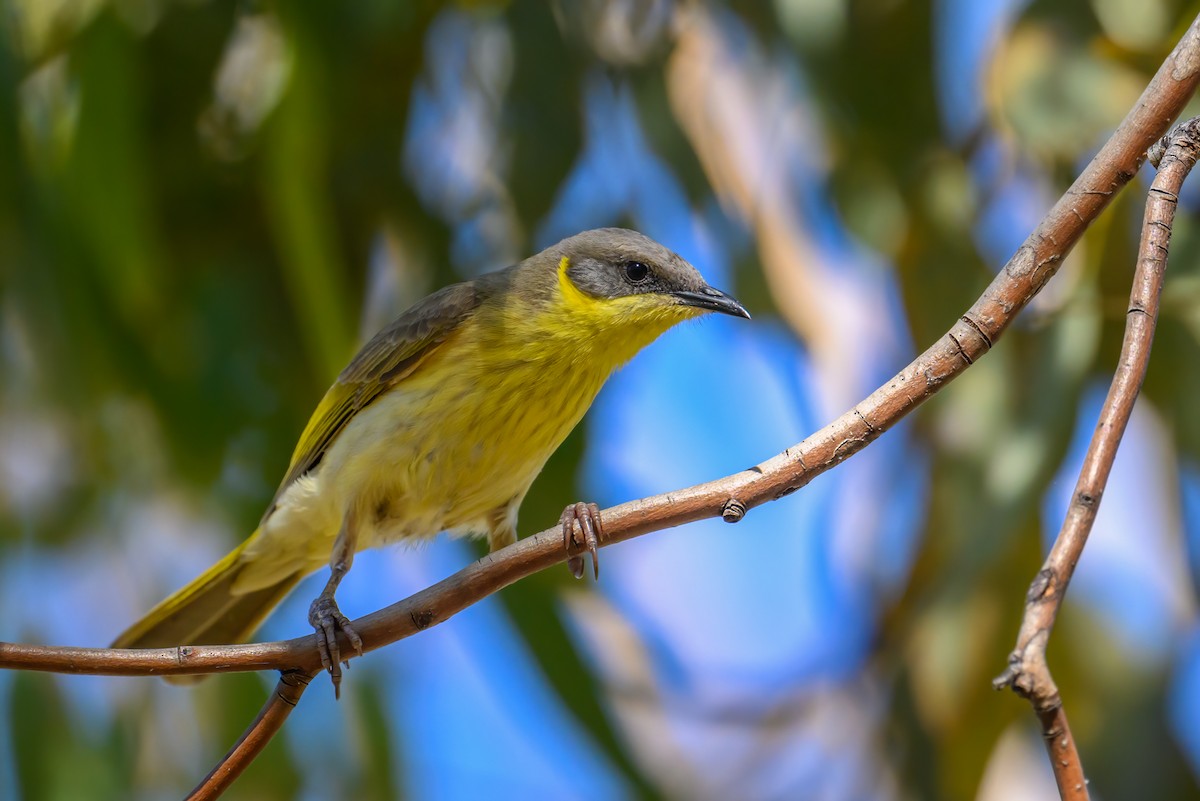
<point>440,423</point>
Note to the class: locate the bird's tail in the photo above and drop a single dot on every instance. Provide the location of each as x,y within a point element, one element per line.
<point>207,611</point>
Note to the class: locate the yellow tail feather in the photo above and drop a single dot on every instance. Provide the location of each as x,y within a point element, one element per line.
<point>207,611</point>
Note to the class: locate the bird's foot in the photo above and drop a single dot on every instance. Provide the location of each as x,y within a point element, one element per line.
<point>325,618</point>
<point>588,515</point>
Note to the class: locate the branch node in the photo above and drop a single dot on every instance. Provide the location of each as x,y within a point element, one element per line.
<point>733,511</point>
<point>987,340</point>
<point>865,422</point>
<point>1010,673</point>
<point>966,357</point>
<point>291,684</point>
<point>1042,586</point>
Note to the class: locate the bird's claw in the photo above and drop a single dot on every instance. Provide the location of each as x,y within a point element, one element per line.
<point>326,619</point>
<point>588,515</point>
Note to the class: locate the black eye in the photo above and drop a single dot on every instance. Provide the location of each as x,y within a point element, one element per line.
<point>636,271</point>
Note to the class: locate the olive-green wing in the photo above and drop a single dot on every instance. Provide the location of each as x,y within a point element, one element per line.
<point>385,361</point>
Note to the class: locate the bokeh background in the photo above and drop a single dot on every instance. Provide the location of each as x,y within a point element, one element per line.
<point>205,206</point>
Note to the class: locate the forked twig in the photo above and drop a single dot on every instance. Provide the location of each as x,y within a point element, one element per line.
<point>1028,673</point>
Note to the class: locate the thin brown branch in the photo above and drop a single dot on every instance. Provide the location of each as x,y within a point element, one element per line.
<point>1028,673</point>
<point>260,731</point>
<point>1064,758</point>
<point>969,339</point>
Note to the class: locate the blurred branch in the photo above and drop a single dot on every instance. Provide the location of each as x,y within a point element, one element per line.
<point>283,700</point>
<point>970,338</point>
<point>1028,674</point>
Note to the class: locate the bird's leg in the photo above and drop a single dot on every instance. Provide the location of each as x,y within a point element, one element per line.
<point>501,529</point>
<point>588,515</point>
<point>324,615</point>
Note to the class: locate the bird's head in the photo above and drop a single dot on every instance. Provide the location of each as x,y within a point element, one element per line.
<point>613,279</point>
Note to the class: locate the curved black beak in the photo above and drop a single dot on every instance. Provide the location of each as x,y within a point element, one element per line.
<point>713,300</point>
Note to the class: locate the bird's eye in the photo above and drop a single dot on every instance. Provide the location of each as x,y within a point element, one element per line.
<point>636,271</point>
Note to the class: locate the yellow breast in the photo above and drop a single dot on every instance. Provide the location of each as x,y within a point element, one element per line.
<point>467,433</point>
<point>461,438</point>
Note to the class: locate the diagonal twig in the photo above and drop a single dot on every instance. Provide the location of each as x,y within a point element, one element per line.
<point>1028,673</point>
<point>270,718</point>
